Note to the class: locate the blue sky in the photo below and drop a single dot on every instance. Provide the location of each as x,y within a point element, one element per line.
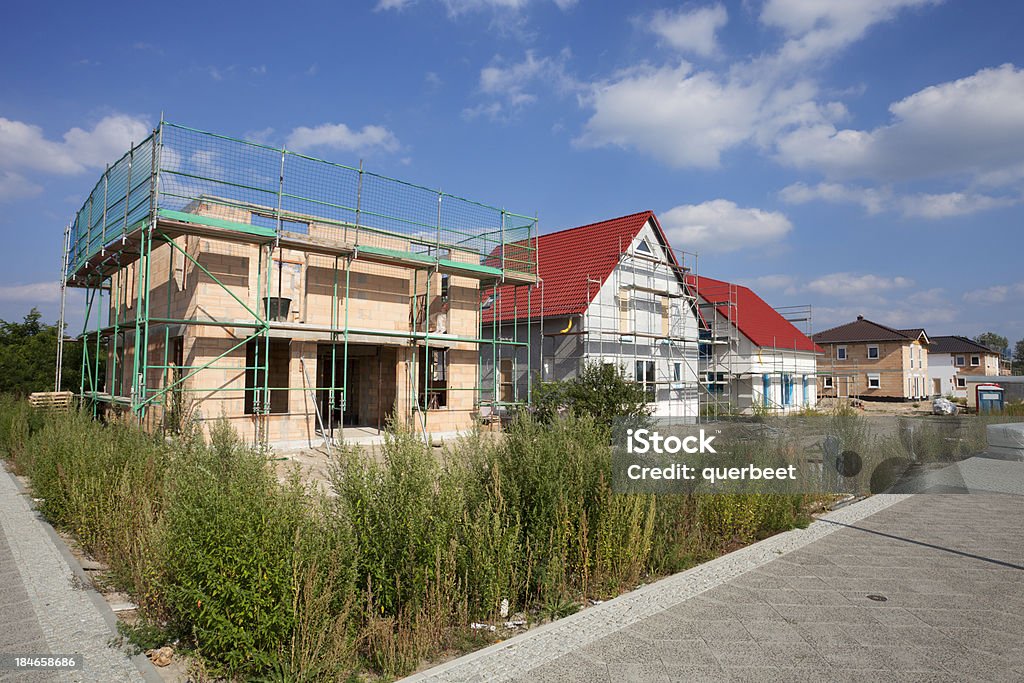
<point>864,157</point>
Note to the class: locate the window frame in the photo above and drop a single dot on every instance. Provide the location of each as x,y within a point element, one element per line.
<point>842,353</point>
<point>975,360</point>
<point>646,379</point>
<point>876,349</point>
<point>828,382</point>
<point>960,361</point>
<point>960,382</point>
<point>874,380</point>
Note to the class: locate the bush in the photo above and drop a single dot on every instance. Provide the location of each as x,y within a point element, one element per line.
<point>601,390</point>
<point>263,579</point>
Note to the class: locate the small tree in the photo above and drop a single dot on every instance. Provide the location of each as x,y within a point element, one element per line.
<point>1018,357</point>
<point>601,390</point>
<point>28,356</point>
<point>996,342</point>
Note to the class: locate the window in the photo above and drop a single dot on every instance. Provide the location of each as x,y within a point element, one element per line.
<point>256,361</point>
<point>873,351</point>
<point>787,390</point>
<point>828,382</point>
<point>445,287</point>
<point>643,247</point>
<point>975,361</point>
<point>840,353</point>
<point>666,327</point>
<point>874,380</point>
<point>677,372</point>
<point>960,361</point>
<point>961,382</point>
<point>435,394</point>
<point>645,378</point>
<point>766,389</point>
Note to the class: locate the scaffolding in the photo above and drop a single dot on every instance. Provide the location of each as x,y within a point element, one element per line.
<point>719,352</point>
<point>728,375</point>
<point>185,206</point>
<point>641,323</point>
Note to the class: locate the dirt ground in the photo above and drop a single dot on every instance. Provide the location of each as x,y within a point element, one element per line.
<point>898,408</point>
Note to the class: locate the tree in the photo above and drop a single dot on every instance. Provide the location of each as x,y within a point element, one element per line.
<point>28,356</point>
<point>996,342</point>
<point>600,390</point>
<point>1018,357</point>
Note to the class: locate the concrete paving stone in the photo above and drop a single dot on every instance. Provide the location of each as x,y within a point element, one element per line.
<point>760,674</point>
<point>623,648</point>
<point>687,653</point>
<point>755,612</point>
<point>677,673</point>
<point>782,596</point>
<point>774,632</point>
<point>738,654</point>
<point>654,672</point>
<point>794,655</point>
<point>576,670</point>
<point>727,631</point>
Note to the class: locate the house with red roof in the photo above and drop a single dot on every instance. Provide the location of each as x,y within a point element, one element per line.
<point>752,357</point>
<point>611,292</point>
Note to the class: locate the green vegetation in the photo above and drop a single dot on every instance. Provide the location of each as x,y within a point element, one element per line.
<point>28,357</point>
<point>268,579</point>
<point>601,390</point>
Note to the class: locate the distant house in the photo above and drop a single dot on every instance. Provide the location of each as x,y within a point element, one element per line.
<point>611,292</point>
<point>953,359</point>
<point>752,356</point>
<point>869,360</point>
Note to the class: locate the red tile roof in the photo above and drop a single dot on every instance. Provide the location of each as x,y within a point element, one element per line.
<point>566,260</point>
<point>761,323</point>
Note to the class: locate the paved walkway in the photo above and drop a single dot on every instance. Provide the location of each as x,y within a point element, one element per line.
<point>45,608</point>
<point>899,587</point>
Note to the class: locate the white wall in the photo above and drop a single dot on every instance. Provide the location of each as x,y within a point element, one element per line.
<point>941,366</point>
<point>607,343</point>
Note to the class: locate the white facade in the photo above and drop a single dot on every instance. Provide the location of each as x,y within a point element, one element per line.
<point>643,319</point>
<point>943,374</point>
<point>765,378</point>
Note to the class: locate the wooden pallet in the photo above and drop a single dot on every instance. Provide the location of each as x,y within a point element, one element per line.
<point>57,401</point>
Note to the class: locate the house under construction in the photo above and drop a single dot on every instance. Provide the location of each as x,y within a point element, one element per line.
<point>612,292</point>
<point>293,296</point>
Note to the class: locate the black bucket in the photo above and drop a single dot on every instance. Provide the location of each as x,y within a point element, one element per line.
<point>276,308</point>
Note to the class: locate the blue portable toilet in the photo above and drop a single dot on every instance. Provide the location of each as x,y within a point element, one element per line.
<point>989,398</point>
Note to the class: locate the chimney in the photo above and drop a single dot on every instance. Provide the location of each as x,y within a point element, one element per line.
<point>860,317</point>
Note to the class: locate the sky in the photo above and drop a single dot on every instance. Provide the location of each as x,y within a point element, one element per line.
<point>866,158</point>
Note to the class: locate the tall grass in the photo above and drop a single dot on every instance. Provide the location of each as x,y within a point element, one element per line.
<point>269,579</point>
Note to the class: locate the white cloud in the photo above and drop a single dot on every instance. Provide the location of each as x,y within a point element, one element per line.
<point>511,85</point>
<point>996,294</point>
<point>720,225</point>
<point>456,8</point>
<point>876,200</point>
<point>34,293</point>
<point>339,136</point>
<point>25,146</point>
<point>952,204</point>
<point>972,126</point>
<point>683,117</point>
<point>873,200</point>
<point>690,31</point>
<point>778,283</point>
<point>816,29</point>
<point>860,286</point>
<point>15,186</point>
